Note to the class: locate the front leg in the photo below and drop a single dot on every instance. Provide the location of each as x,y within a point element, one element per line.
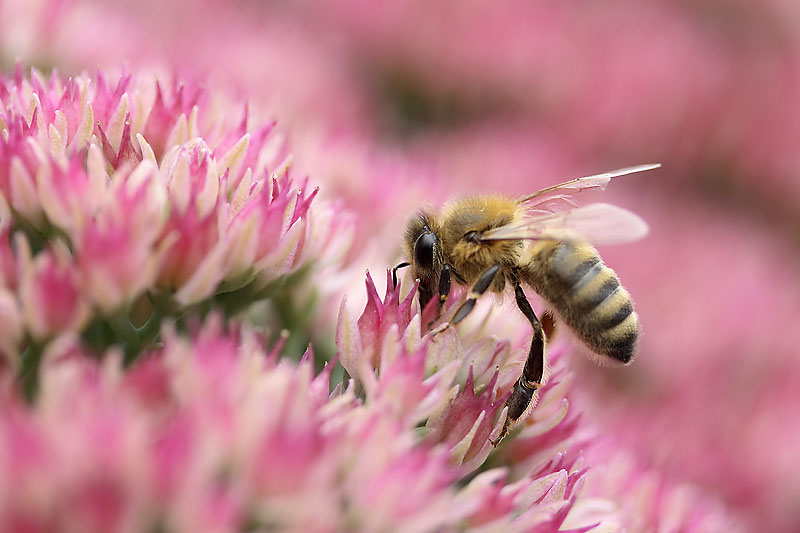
<point>523,397</point>
<point>394,272</point>
<point>444,289</point>
<point>426,294</point>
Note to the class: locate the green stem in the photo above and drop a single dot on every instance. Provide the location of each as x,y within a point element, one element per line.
<point>36,238</point>
<point>29,370</point>
<point>151,328</point>
<point>122,326</point>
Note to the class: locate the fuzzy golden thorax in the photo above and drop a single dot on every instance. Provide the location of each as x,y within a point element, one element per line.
<point>462,222</point>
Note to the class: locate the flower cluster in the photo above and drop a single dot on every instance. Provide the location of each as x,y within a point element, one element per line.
<point>209,433</point>
<point>123,203</point>
<point>436,375</point>
<point>213,432</point>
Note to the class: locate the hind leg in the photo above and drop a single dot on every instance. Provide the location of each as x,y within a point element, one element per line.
<point>522,397</point>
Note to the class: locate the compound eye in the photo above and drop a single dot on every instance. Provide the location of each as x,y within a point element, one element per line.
<point>423,250</point>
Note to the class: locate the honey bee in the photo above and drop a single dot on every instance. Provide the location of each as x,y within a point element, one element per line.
<point>543,240</point>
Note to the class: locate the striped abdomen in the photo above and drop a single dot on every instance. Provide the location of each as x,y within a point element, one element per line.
<point>587,295</point>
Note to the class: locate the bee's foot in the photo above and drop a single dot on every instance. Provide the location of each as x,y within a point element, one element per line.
<point>439,329</point>
<point>502,435</point>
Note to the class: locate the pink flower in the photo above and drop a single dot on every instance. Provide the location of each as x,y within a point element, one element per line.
<point>418,379</point>
<point>147,230</point>
<point>467,424</point>
<point>117,250</point>
<point>210,431</point>
<point>50,292</point>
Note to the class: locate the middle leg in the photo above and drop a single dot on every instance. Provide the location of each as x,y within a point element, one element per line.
<point>481,286</point>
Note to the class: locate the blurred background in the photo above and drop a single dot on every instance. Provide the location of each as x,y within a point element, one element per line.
<point>389,105</point>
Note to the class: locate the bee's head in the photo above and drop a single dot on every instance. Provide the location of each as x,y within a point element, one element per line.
<point>424,252</point>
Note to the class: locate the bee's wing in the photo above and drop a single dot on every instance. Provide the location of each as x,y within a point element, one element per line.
<point>595,223</point>
<point>574,186</point>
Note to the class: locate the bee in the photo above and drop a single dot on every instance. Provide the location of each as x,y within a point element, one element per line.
<point>543,240</point>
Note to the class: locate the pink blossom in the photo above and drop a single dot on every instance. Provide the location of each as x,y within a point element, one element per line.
<point>117,250</point>
<point>383,352</point>
<point>52,301</point>
<point>211,431</point>
<point>208,208</point>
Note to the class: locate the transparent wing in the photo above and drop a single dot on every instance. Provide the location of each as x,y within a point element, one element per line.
<point>595,223</point>
<point>563,191</point>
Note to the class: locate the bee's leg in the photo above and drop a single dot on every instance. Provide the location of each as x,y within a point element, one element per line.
<point>483,283</point>
<point>394,272</point>
<point>444,288</point>
<point>521,399</point>
<point>443,292</point>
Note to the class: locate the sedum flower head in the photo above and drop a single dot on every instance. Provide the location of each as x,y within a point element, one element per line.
<point>128,201</point>
<point>450,387</point>
<point>213,432</point>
